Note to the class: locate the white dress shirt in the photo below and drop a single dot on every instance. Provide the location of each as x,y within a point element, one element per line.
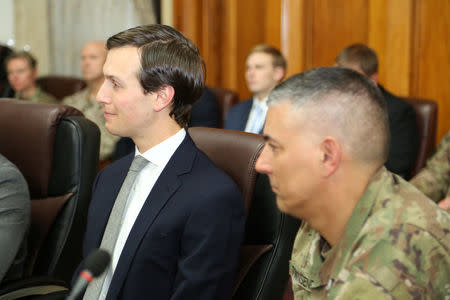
<point>158,157</point>
<point>257,116</point>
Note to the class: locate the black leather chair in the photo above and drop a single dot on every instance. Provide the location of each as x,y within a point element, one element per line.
<point>60,86</point>
<point>263,269</point>
<point>56,149</point>
<point>426,117</point>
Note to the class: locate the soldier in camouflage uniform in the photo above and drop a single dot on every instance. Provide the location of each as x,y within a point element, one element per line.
<point>366,233</point>
<point>93,56</point>
<point>434,179</point>
<point>22,74</point>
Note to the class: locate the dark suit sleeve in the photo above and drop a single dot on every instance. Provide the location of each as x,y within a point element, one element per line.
<point>404,141</point>
<point>14,220</point>
<point>210,247</point>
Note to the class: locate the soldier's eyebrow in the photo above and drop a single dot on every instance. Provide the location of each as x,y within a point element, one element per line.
<point>268,139</point>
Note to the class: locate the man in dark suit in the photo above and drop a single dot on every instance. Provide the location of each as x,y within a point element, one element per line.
<point>181,229</point>
<point>402,116</point>
<point>265,68</point>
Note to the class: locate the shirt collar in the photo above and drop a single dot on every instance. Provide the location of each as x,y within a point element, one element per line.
<point>262,103</point>
<point>160,154</point>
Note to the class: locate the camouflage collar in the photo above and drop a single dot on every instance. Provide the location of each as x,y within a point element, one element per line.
<point>333,266</point>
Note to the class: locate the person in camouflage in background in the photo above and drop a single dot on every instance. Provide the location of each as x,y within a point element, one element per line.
<point>434,179</point>
<point>366,232</point>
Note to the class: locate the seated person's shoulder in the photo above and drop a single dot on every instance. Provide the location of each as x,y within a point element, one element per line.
<point>208,182</point>
<point>10,171</point>
<point>208,172</point>
<point>403,247</point>
<point>45,97</point>
<point>14,188</point>
<point>241,105</point>
<point>402,204</point>
<point>409,261</point>
<point>76,99</point>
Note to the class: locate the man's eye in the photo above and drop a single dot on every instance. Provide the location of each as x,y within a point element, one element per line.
<point>272,146</point>
<point>115,84</point>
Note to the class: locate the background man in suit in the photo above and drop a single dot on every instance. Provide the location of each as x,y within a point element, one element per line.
<point>14,220</point>
<point>265,68</point>
<point>402,116</point>
<point>366,232</point>
<point>93,56</point>
<point>182,226</point>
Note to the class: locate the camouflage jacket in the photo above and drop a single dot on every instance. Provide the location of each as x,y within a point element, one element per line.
<point>94,112</point>
<point>396,245</point>
<point>434,179</point>
<point>39,96</point>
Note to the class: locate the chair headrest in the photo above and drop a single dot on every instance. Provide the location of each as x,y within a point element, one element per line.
<point>27,136</point>
<point>60,86</point>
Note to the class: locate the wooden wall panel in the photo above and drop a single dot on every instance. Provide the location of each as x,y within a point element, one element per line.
<point>295,30</point>
<point>411,38</point>
<point>390,25</point>
<point>432,59</point>
<point>272,24</point>
<point>224,31</point>
<point>229,46</point>
<point>336,24</point>
<point>251,31</point>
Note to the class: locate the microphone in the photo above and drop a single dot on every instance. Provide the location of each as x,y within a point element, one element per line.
<point>94,265</point>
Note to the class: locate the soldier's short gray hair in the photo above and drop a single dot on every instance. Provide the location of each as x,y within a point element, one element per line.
<point>343,103</point>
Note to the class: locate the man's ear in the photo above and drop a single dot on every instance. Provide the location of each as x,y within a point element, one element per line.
<point>331,152</point>
<point>279,73</point>
<point>374,77</point>
<point>164,97</point>
<point>34,73</point>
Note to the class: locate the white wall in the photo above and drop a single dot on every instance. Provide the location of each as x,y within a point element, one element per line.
<point>7,17</point>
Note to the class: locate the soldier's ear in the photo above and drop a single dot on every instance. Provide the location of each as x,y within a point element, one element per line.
<point>331,152</point>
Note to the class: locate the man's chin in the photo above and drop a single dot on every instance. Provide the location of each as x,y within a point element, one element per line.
<point>280,204</point>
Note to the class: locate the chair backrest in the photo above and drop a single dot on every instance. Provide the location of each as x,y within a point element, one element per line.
<point>263,267</point>
<point>60,86</point>
<point>426,117</point>
<point>56,149</point>
<point>226,99</point>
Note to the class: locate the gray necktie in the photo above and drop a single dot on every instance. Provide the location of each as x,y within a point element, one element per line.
<point>114,222</point>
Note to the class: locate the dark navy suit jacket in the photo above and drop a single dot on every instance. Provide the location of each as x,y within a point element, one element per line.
<point>237,116</point>
<point>186,239</point>
<point>404,135</point>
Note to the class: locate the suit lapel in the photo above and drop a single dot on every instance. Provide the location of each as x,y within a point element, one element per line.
<point>245,113</point>
<point>165,187</point>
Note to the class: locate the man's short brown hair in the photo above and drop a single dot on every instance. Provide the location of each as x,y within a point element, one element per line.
<point>360,55</point>
<point>278,59</point>
<point>32,62</point>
